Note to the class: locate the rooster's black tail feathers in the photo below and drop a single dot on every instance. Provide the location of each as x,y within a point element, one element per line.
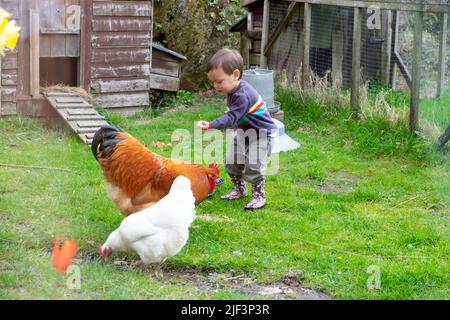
<point>103,142</point>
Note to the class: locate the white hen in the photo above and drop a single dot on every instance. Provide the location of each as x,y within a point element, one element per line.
<point>157,232</point>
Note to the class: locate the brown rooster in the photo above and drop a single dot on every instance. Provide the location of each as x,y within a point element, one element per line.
<point>137,177</point>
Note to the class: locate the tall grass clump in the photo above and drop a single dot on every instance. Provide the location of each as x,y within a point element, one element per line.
<point>382,128</point>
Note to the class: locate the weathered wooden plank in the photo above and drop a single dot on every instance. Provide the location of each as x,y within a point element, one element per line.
<point>165,67</point>
<point>120,39</point>
<point>356,62</point>
<point>337,58</point>
<point>394,48</point>
<point>80,112</point>
<point>89,136</point>
<point>416,74</point>
<point>442,55</point>
<point>123,9</point>
<point>306,44</point>
<point>87,129</point>
<point>121,24</point>
<point>45,48</point>
<point>61,94</point>
<point>114,55</point>
<point>89,123</point>
<point>9,94</point>
<point>120,85</point>
<point>386,57</point>
<point>9,61</point>
<point>8,108</point>
<point>12,8</point>
<point>74,106</point>
<point>9,77</point>
<point>166,83</point>
<point>265,34</point>
<point>86,44</point>
<point>108,71</point>
<point>244,49</point>
<point>403,69</point>
<point>34,53</point>
<point>127,111</point>
<point>85,118</point>
<point>69,100</point>
<point>123,99</point>
<point>72,46</point>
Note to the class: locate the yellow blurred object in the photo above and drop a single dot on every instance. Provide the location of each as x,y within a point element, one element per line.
<point>9,32</point>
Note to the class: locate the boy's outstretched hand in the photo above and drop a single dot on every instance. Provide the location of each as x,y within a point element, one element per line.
<point>204,125</point>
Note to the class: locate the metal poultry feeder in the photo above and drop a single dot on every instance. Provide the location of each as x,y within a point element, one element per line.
<point>282,141</point>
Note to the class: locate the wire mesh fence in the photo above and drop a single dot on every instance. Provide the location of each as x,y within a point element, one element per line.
<point>387,47</point>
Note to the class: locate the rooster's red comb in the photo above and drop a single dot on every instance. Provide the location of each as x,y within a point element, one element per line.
<point>216,167</point>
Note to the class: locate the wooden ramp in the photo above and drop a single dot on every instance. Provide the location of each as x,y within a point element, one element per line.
<point>77,113</point>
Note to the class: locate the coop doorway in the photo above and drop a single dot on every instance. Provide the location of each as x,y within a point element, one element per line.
<point>55,43</point>
<point>59,71</point>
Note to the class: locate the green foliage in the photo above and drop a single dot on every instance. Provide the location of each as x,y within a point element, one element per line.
<point>113,117</point>
<point>197,29</point>
<point>162,99</point>
<point>395,98</point>
<point>375,135</point>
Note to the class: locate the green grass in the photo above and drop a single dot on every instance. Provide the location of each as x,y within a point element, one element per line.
<point>437,110</point>
<point>356,194</point>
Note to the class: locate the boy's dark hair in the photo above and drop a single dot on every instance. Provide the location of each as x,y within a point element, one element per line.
<point>228,59</point>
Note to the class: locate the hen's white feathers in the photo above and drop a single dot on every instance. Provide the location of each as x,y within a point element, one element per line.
<point>161,230</point>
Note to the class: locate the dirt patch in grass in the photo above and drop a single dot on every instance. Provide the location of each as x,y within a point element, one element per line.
<point>338,185</point>
<point>288,289</point>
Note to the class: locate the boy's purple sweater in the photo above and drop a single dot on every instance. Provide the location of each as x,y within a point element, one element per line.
<point>247,110</point>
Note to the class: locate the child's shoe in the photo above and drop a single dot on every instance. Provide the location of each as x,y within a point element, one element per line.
<point>239,191</point>
<point>259,196</point>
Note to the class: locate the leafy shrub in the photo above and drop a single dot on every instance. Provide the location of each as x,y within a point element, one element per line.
<point>197,29</point>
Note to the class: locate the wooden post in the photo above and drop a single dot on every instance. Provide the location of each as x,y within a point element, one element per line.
<point>34,53</point>
<point>394,48</point>
<point>86,44</point>
<point>306,44</point>
<point>338,58</point>
<point>442,52</point>
<point>356,61</point>
<point>245,49</point>
<point>415,91</point>
<point>386,47</point>
<point>265,34</point>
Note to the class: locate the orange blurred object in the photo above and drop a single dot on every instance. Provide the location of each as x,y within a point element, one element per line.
<point>62,256</point>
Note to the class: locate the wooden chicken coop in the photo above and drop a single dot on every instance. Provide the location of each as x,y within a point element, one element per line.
<point>166,68</point>
<point>101,46</point>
